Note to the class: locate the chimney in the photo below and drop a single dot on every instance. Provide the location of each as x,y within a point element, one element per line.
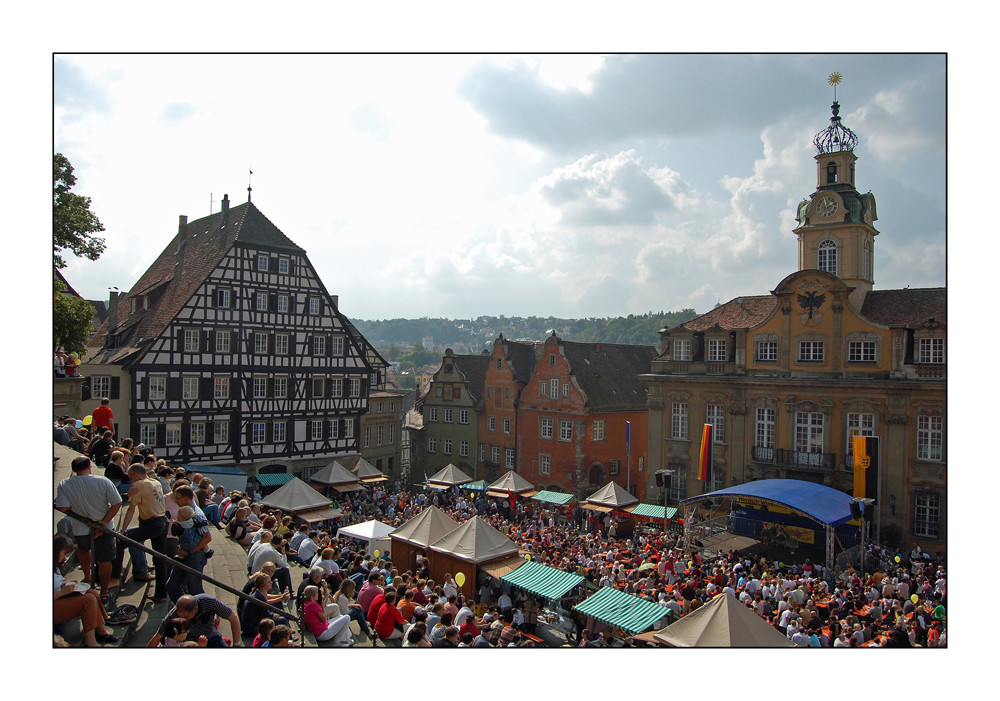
<point>112,312</point>
<point>225,209</point>
<point>182,232</point>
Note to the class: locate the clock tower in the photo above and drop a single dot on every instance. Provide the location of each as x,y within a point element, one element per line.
<point>835,225</point>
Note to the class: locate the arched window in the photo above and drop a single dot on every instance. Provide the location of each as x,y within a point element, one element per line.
<point>827,257</point>
<point>831,173</point>
<point>868,259</point>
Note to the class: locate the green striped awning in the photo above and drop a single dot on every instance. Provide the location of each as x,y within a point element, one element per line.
<point>653,511</point>
<point>541,579</point>
<point>552,497</point>
<point>623,610</point>
<point>274,479</point>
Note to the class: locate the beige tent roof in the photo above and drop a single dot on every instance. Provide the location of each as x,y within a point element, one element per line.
<point>476,541</point>
<point>513,482</point>
<point>366,472</point>
<point>335,474</point>
<point>295,496</point>
<point>612,495</point>
<point>428,526</point>
<point>450,476</point>
<point>722,622</point>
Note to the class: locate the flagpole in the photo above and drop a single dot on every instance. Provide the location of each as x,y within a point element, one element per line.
<point>628,455</point>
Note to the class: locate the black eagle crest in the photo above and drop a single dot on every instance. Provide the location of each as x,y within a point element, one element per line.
<point>811,301</point>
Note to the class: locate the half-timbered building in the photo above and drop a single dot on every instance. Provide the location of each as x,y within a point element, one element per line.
<point>234,352</point>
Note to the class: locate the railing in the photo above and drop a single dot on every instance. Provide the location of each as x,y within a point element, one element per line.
<point>802,459</point>
<point>932,371</point>
<point>761,454</point>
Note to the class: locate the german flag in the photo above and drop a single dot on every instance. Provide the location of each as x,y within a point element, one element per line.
<point>705,457</point>
<point>866,467</point>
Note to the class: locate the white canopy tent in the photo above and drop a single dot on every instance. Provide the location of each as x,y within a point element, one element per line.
<point>375,533</point>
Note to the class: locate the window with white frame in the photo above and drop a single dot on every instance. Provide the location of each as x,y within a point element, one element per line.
<point>861,351</point>
<point>491,422</point>
<point>336,387</point>
<point>767,351</point>
<point>284,266</point>
<point>449,416</point>
<point>614,466</point>
<point>192,340</point>
<point>432,414</point>
<point>545,427</point>
<point>379,434</point>
<point>313,306</point>
<point>197,430</point>
<point>223,298</point>
<point>858,424</point>
<point>318,387</point>
<point>355,387</point>
<point>147,434</point>
<point>598,430</point>
<point>565,429</point>
<point>930,350</point>
<point>926,514</point>
<point>334,428</point>
<point>682,349</point>
<point>543,388</point>
<point>283,304</point>
<point>222,341</point>
<point>679,420</point>
<point>348,428</point>
<point>316,430</point>
<point>506,426</point>
<point>337,345</point>
<point>809,426</point>
<point>392,435</point>
<point>260,343</point>
<point>482,452</point>
<point>432,444</point>
<point>173,434</point>
<point>100,385</point>
<point>258,432</point>
<point>189,388</point>
<point>811,351</point>
<point>717,350</point>
<point>157,387</point>
<point>930,437</point>
<point>565,389</point>
<point>495,454</point>
<point>463,416</point>
<point>508,458</point>
<point>319,345</point>
<point>463,448</point>
<point>553,388</point>
<point>220,432</point>
<point>447,445</point>
<point>221,387</point>
<point>552,359</point>
<point>764,428</point>
<point>259,388</point>
<point>826,257</point>
<point>281,344</point>
<point>262,262</point>
<point>544,464</point>
<point>278,432</point>
<point>715,414</point>
<point>366,436</point>
<point>260,301</point>
<point>280,387</point>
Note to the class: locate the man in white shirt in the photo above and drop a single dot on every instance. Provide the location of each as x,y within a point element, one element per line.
<point>308,548</point>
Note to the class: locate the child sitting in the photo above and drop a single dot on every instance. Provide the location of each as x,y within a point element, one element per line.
<point>264,629</point>
<point>176,630</point>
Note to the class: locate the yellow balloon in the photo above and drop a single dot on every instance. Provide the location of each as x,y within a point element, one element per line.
<point>527,556</point>
<point>897,559</point>
<point>914,598</point>
<point>460,578</point>
<point>376,553</point>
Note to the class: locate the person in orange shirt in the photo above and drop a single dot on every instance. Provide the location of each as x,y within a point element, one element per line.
<point>407,606</point>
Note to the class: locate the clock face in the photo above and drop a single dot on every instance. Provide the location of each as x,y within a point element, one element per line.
<point>827,206</point>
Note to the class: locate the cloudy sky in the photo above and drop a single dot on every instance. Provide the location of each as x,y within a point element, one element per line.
<point>458,185</point>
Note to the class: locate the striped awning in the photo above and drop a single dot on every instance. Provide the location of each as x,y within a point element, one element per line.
<point>553,497</point>
<point>653,511</point>
<point>542,580</point>
<point>274,479</point>
<point>622,610</point>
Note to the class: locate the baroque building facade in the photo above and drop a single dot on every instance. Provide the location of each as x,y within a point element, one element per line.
<point>786,379</point>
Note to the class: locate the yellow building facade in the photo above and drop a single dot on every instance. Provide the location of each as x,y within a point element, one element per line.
<point>788,378</point>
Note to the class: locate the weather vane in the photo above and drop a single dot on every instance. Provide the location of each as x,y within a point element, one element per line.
<point>834,80</point>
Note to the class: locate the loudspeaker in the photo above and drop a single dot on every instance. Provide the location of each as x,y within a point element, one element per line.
<point>856,509</point>
<point>659,479</point>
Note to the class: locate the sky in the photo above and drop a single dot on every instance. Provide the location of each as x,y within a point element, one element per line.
<point>459,185</point>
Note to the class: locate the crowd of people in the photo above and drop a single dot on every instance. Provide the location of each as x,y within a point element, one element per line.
<point>899,601</point>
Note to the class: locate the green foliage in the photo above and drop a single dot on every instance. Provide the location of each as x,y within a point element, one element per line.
<point>73,224</point>
<point>72,320</point>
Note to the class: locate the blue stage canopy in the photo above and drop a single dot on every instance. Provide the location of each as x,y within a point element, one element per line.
<point>824,504</point>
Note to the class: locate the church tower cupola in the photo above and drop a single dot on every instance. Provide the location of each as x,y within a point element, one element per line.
<point>835,225</point>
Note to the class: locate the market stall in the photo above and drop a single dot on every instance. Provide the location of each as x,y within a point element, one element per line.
<point>413,538</point>
<point>375,533</point>
<point>620,610</point>
<point>722,622</point>
<point>334,477</point>
<point>298,499</point>
<point>448,477</point>
<point>472,544</point>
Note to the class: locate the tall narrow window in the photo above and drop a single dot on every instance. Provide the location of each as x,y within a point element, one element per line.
<point>827,257</point>
<point>926,515</point>
<point>764,428</point>
<point>808,432</point>
<point>716,416</point>
<point>930,434</point>
<point>859,425</point>
<point>679,420</point>
<point>682,350</point>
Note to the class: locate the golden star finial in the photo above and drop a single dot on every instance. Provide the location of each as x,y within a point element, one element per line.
<point>835,78</point>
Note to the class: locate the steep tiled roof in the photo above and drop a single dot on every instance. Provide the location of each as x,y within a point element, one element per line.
<point>181,268</point>
<point>474,368</point>
<point>739,313</point>
<point>609,373</point>
<point>522,357</point>
<point>906,307</point>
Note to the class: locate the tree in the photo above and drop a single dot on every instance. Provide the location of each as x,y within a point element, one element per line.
<point>72,320</point>
<point>73,224</point>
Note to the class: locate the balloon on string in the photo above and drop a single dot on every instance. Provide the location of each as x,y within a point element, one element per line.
<point>897,559</point>
<point>914,598</point>
<point>527,556</point>
<point>376,553</point>
<point>460,578</point>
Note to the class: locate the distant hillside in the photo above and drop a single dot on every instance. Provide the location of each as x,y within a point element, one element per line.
<point>394,337</point>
